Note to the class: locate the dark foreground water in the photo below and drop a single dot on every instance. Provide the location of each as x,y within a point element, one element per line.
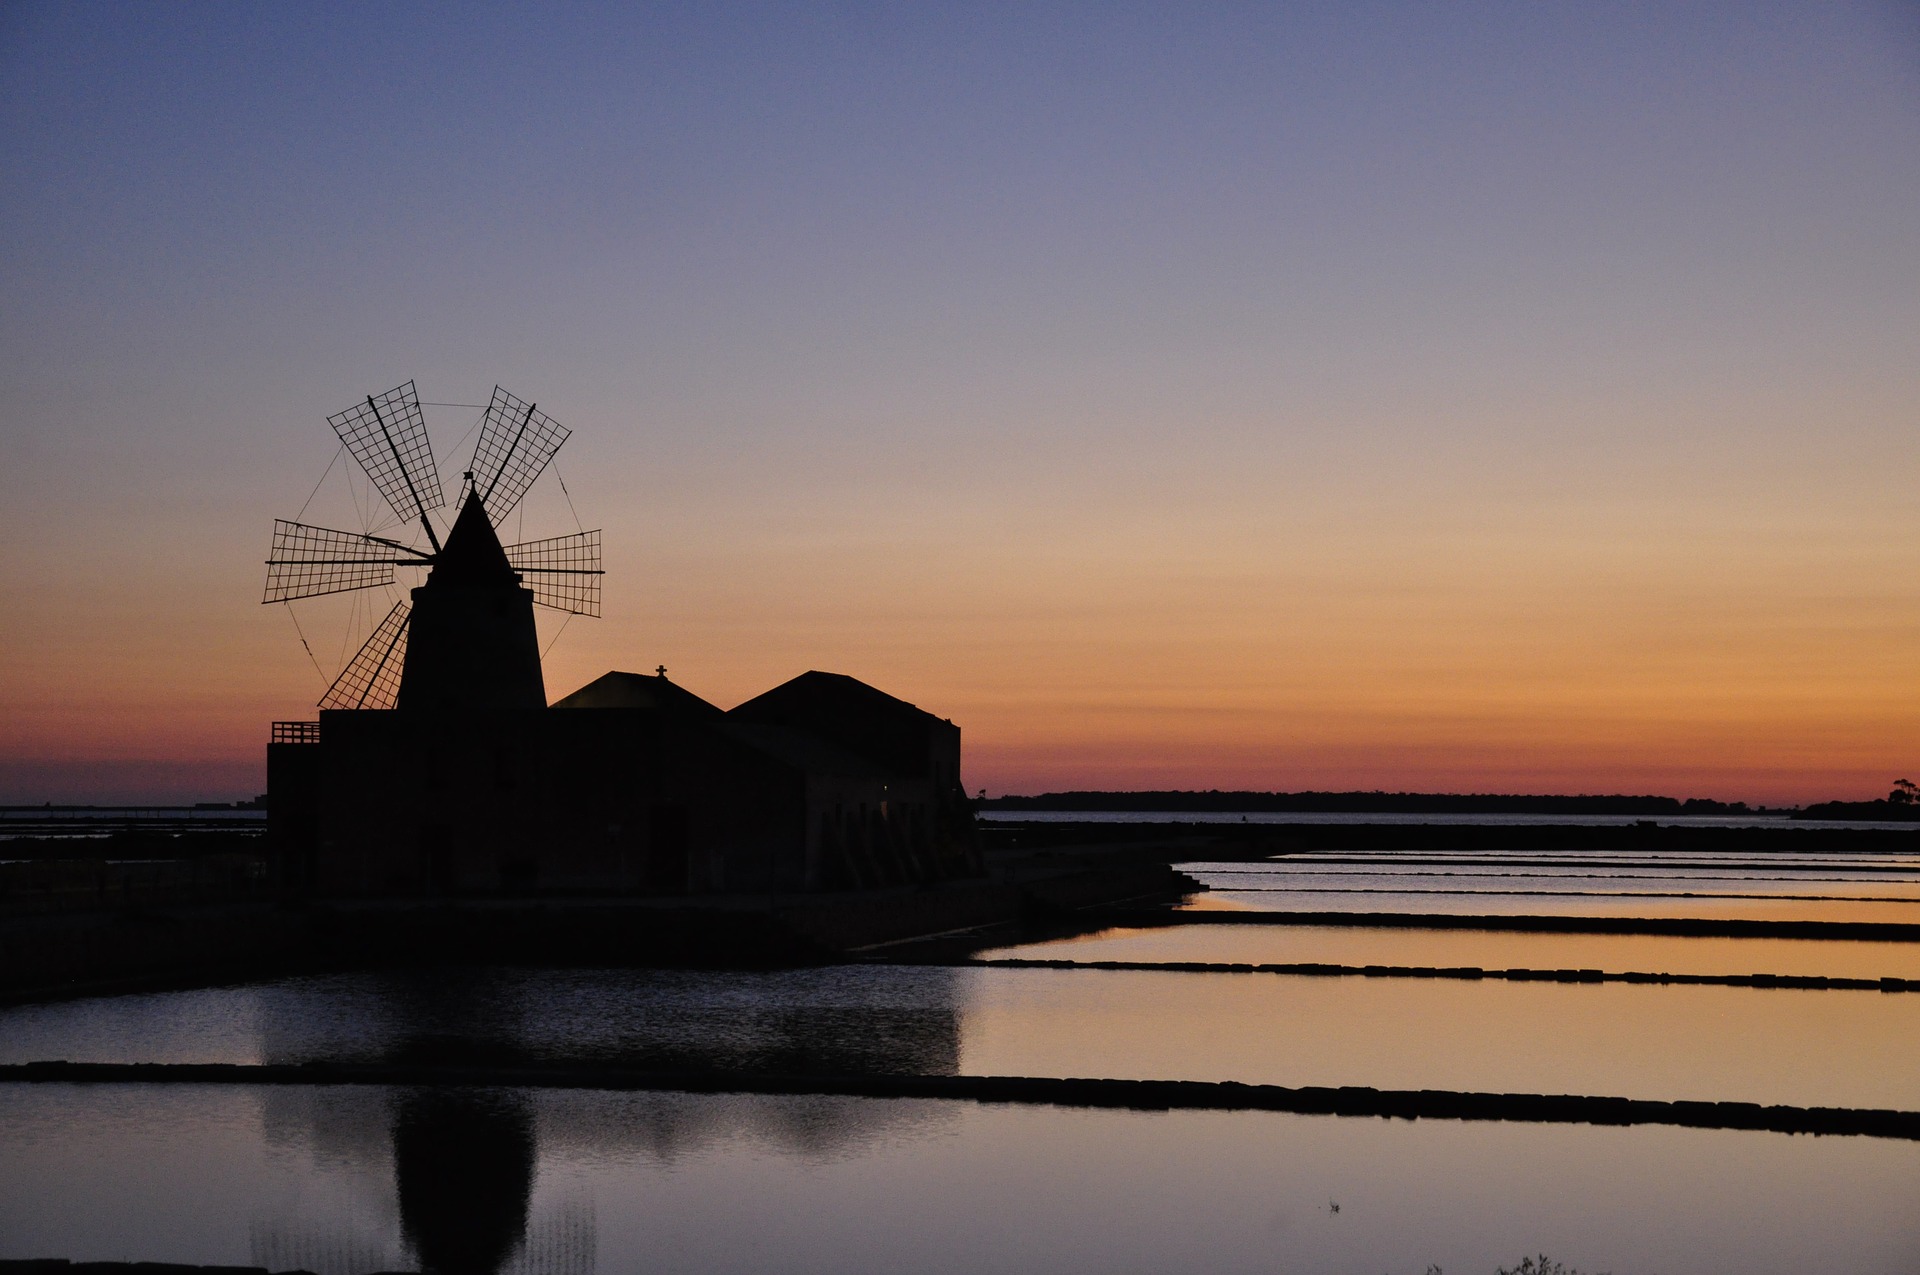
<point>352,1180</point>
<point>344,1181</point>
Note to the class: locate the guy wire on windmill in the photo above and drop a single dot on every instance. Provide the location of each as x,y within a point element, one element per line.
<point>466,636</point>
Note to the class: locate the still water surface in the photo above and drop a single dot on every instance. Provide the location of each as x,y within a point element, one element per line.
<point>347,1181</point>
<point>1818,887</point>
<point>1485,949</point>
<point>1806,1048</point>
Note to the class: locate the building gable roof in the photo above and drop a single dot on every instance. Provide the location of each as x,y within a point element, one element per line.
<point>639,690</point>
<point>891,733</point>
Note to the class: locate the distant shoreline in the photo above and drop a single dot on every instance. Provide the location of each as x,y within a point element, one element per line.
<point>1215,801</point>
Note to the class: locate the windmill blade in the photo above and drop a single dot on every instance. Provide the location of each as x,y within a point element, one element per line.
<point>306,562</point>
<point>387,435</point>
<point>517,440</point>
<point>564,572</point>
<point>371,678</point>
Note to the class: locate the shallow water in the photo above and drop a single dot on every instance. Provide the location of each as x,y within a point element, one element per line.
<point>1573,883</point>
<point>353,1180</point>
<point>833,1019</point>
<point>1486,949</point>
<point>344,1181</point>
<point>1806,1048</point>
<point>1484,904</point>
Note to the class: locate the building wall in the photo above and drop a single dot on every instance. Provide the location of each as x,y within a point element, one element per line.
<point>601,801</point>
<point>621,800</point>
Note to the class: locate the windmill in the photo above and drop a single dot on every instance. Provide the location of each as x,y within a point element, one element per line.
<point>465,638</point>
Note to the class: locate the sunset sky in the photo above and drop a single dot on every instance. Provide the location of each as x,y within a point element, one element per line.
<point>1500,398</point>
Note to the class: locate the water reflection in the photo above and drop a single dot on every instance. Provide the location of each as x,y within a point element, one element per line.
<point>175,1174</point>
<point>461,1161</point>
<point>394,1179</point>
<point>463,1173</point>
<point>449,1180</point>
<point>1487,949</point>
<point>1572,883</point>
<point>451,1173</point>
<point>843,1020</point>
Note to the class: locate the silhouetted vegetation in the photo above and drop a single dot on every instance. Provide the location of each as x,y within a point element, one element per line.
<point>1539,1265</point>
<point>1235,840</point>
<point>1902,805</point>
<point>1899,808</point>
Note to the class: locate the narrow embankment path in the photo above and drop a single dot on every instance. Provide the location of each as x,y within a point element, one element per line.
<point>1132,1095</point>
<point>1676,926</point>
<point>1315,969</point>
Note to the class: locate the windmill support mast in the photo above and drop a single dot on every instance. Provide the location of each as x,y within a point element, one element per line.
<point>508,454</point>
<point>419,505</point>
<point>395,544</point>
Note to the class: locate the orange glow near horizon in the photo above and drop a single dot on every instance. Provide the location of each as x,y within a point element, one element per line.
<point>1133,655</point>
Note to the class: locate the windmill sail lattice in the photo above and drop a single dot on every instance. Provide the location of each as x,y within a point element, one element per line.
<point>387,435</point>
<point>371,678</point>
<point>517,440</point>
<point>307,562</point>
<point>563,572</point>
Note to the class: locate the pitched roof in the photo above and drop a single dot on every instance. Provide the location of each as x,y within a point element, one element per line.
<point>889,732</point>
<point>638,690</point>
<point>837,691</point>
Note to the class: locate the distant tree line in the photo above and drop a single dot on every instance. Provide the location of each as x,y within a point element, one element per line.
<point>1214,800</point>
<point>1902,805</point>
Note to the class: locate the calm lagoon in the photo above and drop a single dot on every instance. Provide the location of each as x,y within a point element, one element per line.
<point>332,1181</point>
<point>344,1181</point>
<point>1805,1048</point>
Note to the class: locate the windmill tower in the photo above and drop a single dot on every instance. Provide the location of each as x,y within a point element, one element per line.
<point>464,640</point>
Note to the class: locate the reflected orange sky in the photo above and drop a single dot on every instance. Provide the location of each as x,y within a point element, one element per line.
<point>1674,1043</point>
<point>1485,949</point>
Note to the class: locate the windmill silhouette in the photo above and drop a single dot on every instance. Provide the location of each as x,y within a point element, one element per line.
<point>465,638</point>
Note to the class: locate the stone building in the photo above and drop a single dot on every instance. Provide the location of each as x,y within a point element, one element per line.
<point>471,784</point>
<point>630,785</point>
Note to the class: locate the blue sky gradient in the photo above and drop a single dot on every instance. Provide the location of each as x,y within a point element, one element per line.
<point>1379,395</point>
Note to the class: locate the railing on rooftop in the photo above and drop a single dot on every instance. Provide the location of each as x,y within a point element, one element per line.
<point>296,732</point>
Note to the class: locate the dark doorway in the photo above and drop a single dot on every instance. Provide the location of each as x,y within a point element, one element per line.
<point>667,849</point>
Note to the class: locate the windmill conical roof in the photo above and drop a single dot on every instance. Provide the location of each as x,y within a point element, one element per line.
<point>472,554</point>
